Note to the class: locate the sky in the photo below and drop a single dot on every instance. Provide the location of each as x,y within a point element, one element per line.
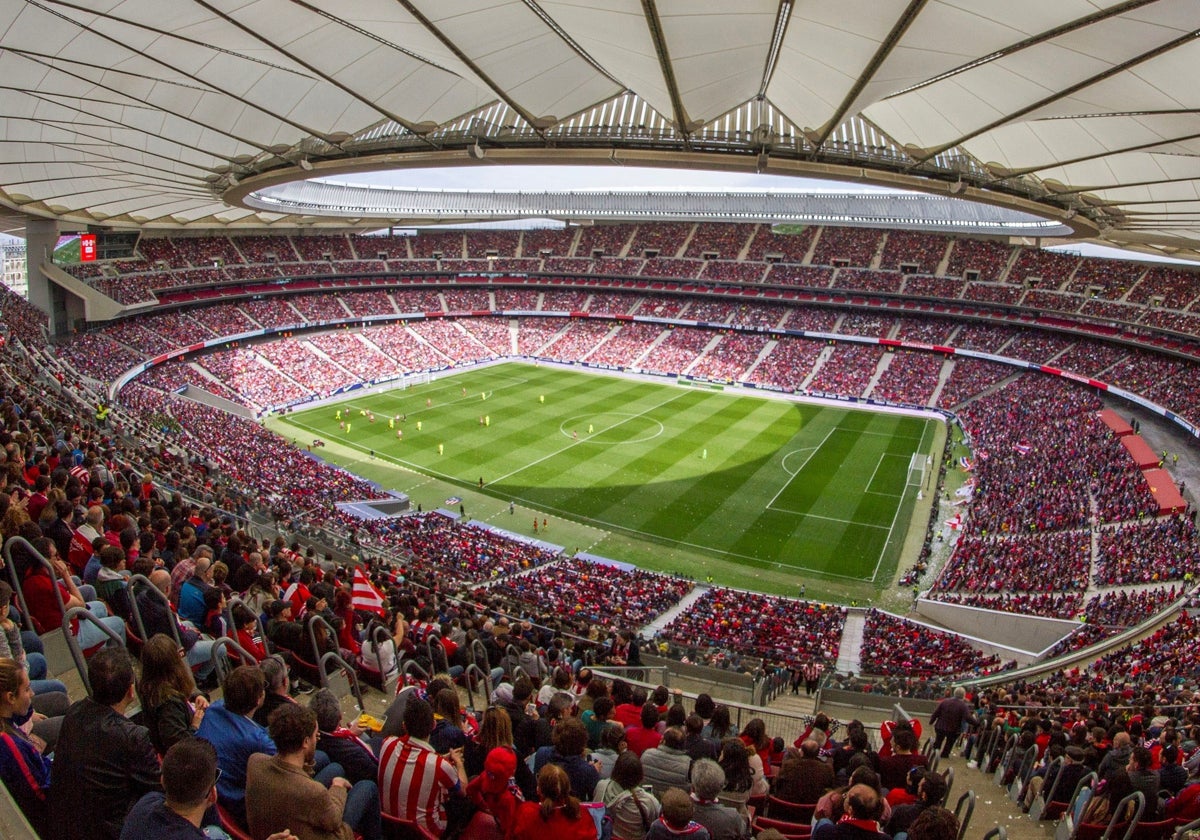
<point>620,177</point>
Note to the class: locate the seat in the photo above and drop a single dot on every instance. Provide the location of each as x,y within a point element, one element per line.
<point>1157,830</point>
<point>795,812</point>
<point>231,825</point>
<point>395,828</point>
<point>791,830</point>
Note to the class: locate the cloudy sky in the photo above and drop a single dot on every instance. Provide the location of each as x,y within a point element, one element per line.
<point>619,177</point>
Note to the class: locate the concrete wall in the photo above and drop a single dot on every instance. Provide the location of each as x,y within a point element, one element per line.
<point>1007,634</point>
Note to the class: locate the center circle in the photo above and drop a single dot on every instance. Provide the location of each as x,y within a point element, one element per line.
<point>611,427</point>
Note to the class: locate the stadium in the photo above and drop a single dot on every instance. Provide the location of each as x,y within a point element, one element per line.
<point>819,456</point>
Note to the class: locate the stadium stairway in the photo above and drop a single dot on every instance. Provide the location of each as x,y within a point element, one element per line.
<point>850,653</point>
<point>685,603</point>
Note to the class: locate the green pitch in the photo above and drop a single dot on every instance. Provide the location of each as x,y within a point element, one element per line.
<point>685,479</point>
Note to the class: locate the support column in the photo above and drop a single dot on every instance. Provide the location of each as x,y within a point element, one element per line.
<point>41,235</point>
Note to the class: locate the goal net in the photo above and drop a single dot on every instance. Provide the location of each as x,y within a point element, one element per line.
<point>916,470</point>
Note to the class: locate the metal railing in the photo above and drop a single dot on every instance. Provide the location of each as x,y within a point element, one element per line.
<point>82,614</point>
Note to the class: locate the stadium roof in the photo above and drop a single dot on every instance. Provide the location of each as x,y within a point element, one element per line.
<point>167,113</point>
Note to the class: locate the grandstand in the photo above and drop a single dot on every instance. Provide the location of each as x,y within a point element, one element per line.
<point>182,476</point>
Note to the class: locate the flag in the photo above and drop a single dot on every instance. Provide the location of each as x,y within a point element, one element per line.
<point>364,594</point>
<point>1023,448</point>
<point>965,463</point>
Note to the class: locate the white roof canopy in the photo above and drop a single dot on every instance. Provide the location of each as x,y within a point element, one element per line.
<point>166,113</point>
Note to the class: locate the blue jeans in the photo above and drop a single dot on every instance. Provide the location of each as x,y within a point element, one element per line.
<point>362,810</point>
<point>90,635</point>
<point>362,801</point>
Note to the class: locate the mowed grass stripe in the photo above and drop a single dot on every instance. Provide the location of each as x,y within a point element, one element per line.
<point>637,479</point>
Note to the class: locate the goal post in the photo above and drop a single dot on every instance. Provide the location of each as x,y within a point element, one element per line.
<point>916,470</point>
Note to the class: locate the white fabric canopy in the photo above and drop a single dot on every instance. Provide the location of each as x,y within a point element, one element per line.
<point>153,112</point>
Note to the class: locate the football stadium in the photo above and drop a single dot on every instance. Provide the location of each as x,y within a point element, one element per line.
<point>368,478</point>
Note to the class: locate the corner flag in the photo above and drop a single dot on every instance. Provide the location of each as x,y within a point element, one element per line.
<point>364,594</point>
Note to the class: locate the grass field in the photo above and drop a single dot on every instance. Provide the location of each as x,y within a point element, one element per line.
<point>669,477</point>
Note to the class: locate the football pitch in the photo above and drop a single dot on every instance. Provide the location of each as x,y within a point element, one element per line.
<point>685,479</point>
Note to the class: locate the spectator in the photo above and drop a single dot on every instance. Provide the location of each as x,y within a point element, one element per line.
<point>281,795</point>
<point>722,822</point>
<point>495,732</point>
<point>570,744</point>
<point>158,618</point>
<point>494,790</point>
<point>893,769</point>
<point>23,768</point>
<point>189,780</point>
<point>676,819</point>
<point>229,726</point>
<point>1143,778</point>
<point>805,778</point>
<point>694,742</point>
<point>861,820</point>
<point>171,706</point>
<point>104,762</point>
<point>949,719</point>
<point>930,792</point>
<point>644,734</point>
<point>1103,806</point>
<point>633,810</point>
<point>1172,775</point>
<point>667,765</point>
<point>933,823</point>
<point>414,781</point>
<point>557,815</point>
<point>344,745</point>
<point>1116,758</point>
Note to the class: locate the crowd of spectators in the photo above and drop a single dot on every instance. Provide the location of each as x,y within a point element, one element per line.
<point>583,593</point>
<point>731,358</point>
<point>894,645</point>
<point>667,267</point>
<point>605,240</point>
<point>724,623</point>
<point>989,259</point>
<point>846,246</point>
<point>1018,563</point>
<point>667,238</point>
<point>1108,279</point>
<point>913,248</point>
<point>969,378</point>
<point>942,288</point>
<point>1122,608</point>
<point>848,369</point>
<point>861,280</point>
<point>910,378</point>
<point>1148,551</point>
<point>678,351</point>
<point>1047,604</point>
<point>994,293</point>
<point>788,364</point>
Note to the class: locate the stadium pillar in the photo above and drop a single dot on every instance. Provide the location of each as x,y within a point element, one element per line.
<point>41,235</point>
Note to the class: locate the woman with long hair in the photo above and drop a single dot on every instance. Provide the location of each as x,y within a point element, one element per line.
<point>172,707</point>
<point>739,775</point>
<point>448,731</point>
<point>23,768</point>
<point>1100,810</point>
<point>760,749</point>
<point>557,814</point>
<point>495,730</point>
<point>719,725</point>
<point>633,810</point>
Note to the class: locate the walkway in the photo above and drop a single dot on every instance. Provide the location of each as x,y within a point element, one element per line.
<point>850,653</point>
<point>685,603</point>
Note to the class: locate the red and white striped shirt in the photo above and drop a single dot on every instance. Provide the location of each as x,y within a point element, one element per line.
<point>414,782</point>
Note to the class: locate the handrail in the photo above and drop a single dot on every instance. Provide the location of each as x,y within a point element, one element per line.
<point>82,614</point>
<point>16,584</point>
<point>345,667</point>
<point>143,581</point>
<point>221,663</point>
<point>1047,794</point>
<point>414,665</point>
<point>485,679</point>
<point>377,644</point>
<point>233,600</point>
<point>964,819</point>
<point>439,662</point>
<point>310,623</point>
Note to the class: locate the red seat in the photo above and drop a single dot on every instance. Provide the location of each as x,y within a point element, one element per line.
<point>791,830</point>
<point>1054,810</point>
<point>796,812</point>
<point>231,826</point>
<point>1160,830</point>
<point>395,828</point>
